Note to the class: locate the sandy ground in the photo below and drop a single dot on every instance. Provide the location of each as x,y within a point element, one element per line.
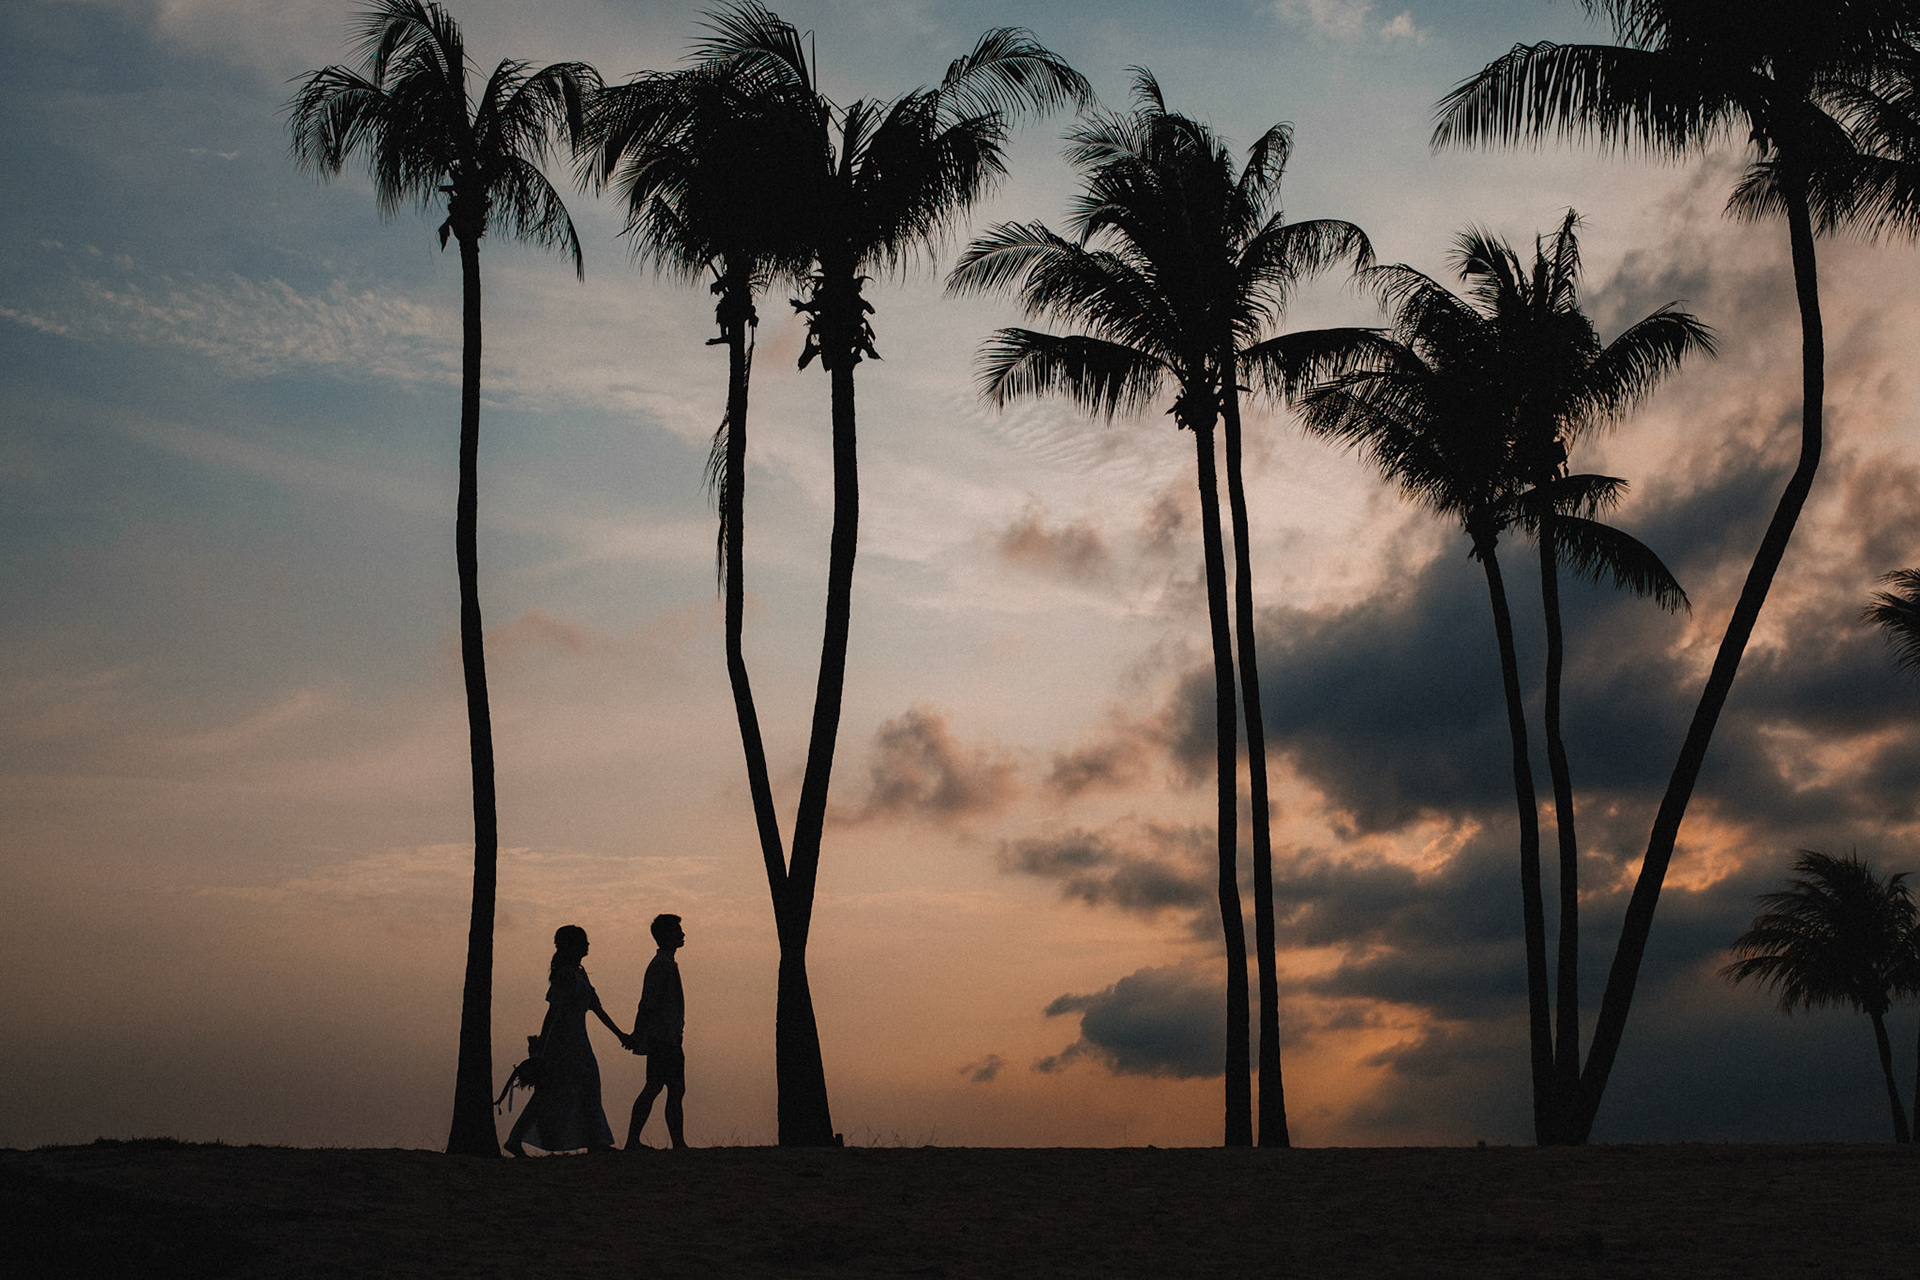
<point>164,1208</point>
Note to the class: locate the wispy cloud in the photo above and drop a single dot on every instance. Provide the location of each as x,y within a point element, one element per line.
<point>1348,20</point>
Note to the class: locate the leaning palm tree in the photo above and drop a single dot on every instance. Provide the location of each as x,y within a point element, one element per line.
<point>1176,267</point>
<point>1686,74</point>
<point>1470,404</point>
<point>406,109</point>
<point>859,190</point>
<point>1837,935</point>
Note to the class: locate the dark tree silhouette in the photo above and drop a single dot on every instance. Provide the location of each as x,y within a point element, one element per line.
<point>1685,74</point>
<point>1571,385</point>
<point>854,191</point>
<point>407,110</point>
<point>1470,403</point>
<point>702,159</point>
<point>1176,267</point>
<point>1896,611</point>
<point>1837,934</point>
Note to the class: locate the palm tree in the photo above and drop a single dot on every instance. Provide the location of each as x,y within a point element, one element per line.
<point>1838,934</point>
<point>701,158</point>
<point>1685,74</point>
<point>1176,267</point>
<point>854,191</point>
<point>1470,404</point>
<point>1573,385</point>
<point>406,109</point>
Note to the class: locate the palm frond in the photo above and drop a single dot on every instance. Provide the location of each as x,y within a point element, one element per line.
<point>528,208</point>
<point>1104,378</point>
<point>1281,254</point>
<point>1624,98</point>
<point>1286,365</point>
<point>1627,369</point>
<point>1009,73</point>
<point>758,43</point>
<point>1602,554</point>
<point>1896,611</point>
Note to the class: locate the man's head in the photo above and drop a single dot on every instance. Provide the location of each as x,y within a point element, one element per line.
<point>667,931</point>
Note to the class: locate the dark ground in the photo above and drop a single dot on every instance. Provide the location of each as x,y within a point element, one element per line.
<point>163,1208</point>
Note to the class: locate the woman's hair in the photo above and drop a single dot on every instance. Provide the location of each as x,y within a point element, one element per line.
<point>569,945</point>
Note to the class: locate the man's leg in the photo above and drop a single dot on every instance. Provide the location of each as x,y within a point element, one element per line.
<point>642,1108</point>
<point>675,1114</point>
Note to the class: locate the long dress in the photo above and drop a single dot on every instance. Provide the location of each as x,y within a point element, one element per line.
<point>564,1113</point>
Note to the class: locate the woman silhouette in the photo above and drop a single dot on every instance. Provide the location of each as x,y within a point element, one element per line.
<point>564,1113</point>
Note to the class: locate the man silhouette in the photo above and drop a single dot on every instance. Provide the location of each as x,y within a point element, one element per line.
<point>658,1026</point>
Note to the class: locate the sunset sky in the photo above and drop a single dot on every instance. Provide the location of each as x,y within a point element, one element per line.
<point>235,826</point>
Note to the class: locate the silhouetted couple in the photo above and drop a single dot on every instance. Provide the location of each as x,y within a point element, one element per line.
<point>565,1112</point>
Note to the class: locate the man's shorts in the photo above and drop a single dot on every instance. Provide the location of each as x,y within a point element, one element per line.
<point>666,1065</point>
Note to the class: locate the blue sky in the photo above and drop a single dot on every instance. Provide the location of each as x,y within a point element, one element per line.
<point>231,739</point>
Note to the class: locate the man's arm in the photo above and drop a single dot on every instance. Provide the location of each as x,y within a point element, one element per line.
<point>652,997</point>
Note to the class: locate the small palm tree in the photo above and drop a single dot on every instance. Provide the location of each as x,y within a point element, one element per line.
<point>1683,75</point>
<point>1470,403</point>
<point>407,110</point>
<point>1896,611</point>
<point>858,190</point>
<point>1836,935</point>
<point>1176,266</point>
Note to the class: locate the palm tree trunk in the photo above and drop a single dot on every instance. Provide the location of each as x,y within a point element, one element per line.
<point>1239,1100</point>
<point>1617,999</point>
<point>800,1078</point>
<point>1900,1131</point>
<point>1566,985</point>
<point>472,1132</point>
<point>1532,914</point>
<point>1916,1090</point>
<point>805,1119</point>
<point>1273,1099</point>
<point>736,313</point>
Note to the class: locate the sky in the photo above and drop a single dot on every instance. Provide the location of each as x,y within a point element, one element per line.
<point>235,826</point>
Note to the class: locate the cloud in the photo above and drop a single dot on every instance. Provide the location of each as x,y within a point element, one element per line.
<point>257,327</point>
<point>1143,868</point>
<point>1073,550</point>
<point>920,771</point>
<point>1347,20</point>
<point>1165,1021</point>
<point>1121,754</point>
<point>985,1071</point>
<point>1402,27</point>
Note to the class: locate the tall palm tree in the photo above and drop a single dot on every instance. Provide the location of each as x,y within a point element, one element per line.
<point>1176,267</point>
<point>1682,75</point>
<point>854,191</point>
<point>1838,934</point>
<point>1572,385</point>
<point>702,158</point>
<point>407,110</point>
<point>1470,404</point>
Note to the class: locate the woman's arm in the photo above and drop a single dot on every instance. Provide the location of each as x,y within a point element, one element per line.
<point>618,1034</point>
